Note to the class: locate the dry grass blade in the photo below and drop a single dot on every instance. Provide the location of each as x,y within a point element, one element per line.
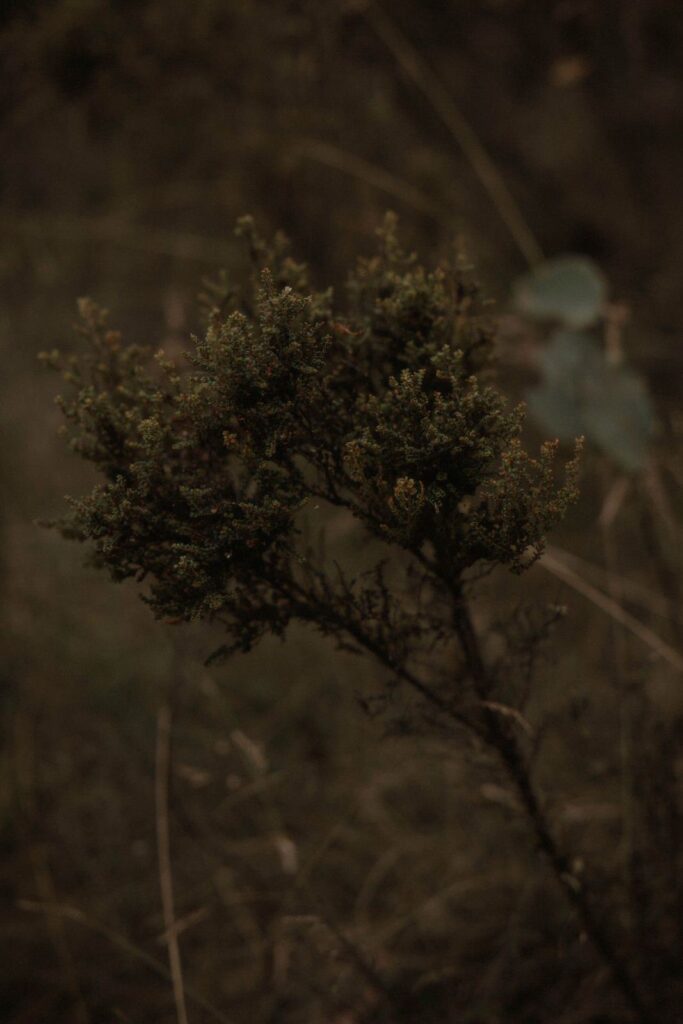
<point>633,591</point>
<point>55,924</point>
<point>419,72</point>
<point>356,167</point>
<point>76,915</point>
<point>163,763</point>
<point>614,610</point>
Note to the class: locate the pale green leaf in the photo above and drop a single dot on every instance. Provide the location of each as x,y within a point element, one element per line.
<point>571,289</point>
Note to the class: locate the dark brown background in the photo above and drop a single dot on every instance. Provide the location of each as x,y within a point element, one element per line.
<point>132,136</point>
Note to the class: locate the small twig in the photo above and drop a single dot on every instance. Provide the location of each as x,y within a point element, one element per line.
<point>508,712</point>
<point>189,921</point>
<point>163,763</point>
<point>419,72</point>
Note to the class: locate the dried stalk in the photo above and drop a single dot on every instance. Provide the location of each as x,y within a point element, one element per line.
<point>163,764</point>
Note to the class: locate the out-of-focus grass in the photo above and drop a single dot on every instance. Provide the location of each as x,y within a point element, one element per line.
<point>316,858</point>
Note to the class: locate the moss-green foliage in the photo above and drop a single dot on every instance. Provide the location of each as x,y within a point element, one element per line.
<point>379,402</point>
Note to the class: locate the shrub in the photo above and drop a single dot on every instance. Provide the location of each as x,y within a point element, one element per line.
<point>218,469</point>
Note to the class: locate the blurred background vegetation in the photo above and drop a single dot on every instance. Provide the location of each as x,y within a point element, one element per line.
<point>316,854</point>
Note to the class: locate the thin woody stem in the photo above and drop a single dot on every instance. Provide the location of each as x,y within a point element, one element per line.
<point>503,741</point>
<point>500,738</point>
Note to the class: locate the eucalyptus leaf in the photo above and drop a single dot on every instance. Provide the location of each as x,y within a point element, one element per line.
<point>581,393</point>
<point>571,289</point>
<point>570,358</point>
<point>619,418</point>
<point>556,411</point>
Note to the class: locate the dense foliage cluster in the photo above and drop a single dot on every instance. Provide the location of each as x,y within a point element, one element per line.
<point>382,403</point>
